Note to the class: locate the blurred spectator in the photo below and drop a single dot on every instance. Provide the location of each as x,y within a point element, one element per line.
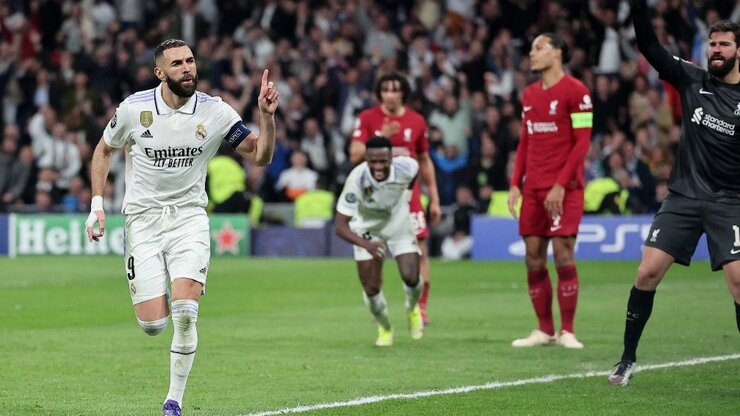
<point>77,29</point>
<point>131,13</point>
<point>43,202</point>
<point>318,149</point>
<point>490,167</point>
<point>298,178</point>
<point>450,168</point>
<point>641,183</point>
<point>454,122</point>
<point>188,24</point>
<point>280,162</point>
<point>380,42</point>
<point>15,170</point>
<point>103,16</point>
<point>459,243</point>
<point>57,158</point>
<point>77,198</point>
<point>606,106</point>
<point>226,184</point>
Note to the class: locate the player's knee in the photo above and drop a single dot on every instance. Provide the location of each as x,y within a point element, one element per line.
<point>371,290</point>
<point>562,259</point>
<point>562,255</point>
<point>411,280</point>
<point>410,277</point>
<point>184,314</point>
<point>535,261</point>
<point>648,275</point>
<point>733,284</point>
<point>409,272</point>
<point>153,328</point>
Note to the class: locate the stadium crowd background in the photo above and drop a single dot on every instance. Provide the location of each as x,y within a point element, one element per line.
<point>65,65</point>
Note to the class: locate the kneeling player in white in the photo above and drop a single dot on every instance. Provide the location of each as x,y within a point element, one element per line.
<point>372,214</point>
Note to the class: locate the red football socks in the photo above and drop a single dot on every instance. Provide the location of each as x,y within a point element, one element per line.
<point>567,295</point>
<point>540,292</point>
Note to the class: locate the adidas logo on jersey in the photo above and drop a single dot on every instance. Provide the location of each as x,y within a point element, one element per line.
<point>147,134</point>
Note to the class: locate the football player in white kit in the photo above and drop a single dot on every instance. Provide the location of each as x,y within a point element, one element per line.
<point>372,214</point>
<point>169,134</point>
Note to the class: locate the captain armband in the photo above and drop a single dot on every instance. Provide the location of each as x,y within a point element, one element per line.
<point>582,120</point>
<point>237,133</point>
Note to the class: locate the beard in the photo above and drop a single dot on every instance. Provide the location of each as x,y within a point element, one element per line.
<point>722,70</point>
<point>180,90</point>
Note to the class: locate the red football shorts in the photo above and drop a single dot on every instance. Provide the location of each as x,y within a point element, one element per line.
<point>418,217</point>
<point>535,220</point>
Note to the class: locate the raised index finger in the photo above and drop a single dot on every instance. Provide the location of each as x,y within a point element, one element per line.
<point>264,77</point>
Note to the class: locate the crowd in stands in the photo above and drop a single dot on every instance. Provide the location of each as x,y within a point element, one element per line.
<point>66,64</point>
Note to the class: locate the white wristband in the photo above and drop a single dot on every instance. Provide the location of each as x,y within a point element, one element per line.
<point>97,203</point>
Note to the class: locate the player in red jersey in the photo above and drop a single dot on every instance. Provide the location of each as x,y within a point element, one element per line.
<point>407,132</point>
<point>556,134</point>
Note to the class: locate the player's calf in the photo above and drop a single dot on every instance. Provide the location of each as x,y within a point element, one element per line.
<point>184,344</point>
<point>184,319</point>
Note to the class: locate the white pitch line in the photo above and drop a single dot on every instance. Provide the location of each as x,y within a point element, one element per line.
<point>488,386</point>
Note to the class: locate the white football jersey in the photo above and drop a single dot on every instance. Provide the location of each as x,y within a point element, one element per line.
<point>374,205</point>
<point>167,150</point>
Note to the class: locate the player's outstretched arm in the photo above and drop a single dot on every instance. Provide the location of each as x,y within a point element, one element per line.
<point>647,41</point>
<point>426,171</point>
<point>260,148</point>
<point>99,169</point>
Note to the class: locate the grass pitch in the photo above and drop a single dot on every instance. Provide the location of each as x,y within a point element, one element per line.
<point>280,333</point>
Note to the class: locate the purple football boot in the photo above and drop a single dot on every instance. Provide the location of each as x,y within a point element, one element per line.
<point>171,408</point>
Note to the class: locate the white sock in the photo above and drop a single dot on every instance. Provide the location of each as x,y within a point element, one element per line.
<point>184,342</point>
<point>413,293</point>
<point>379,308</point>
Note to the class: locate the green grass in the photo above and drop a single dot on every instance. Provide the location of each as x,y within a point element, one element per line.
<point>278,333</point>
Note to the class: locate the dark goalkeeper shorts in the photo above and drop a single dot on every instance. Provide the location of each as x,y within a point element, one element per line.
<point>681,221</point>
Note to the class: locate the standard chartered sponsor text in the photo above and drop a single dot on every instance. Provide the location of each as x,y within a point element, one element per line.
<point>544,127</point>
<point>719,125</point>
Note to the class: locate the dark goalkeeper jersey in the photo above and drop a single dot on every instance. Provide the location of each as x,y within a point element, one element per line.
<point>707,165</point>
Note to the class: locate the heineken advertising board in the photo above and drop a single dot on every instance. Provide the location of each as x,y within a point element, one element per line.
<point>41,234</point>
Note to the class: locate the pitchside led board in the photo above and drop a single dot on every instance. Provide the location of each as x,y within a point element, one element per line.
<point>599,238</point>
<point>4,235</point>
<point>65,235</point>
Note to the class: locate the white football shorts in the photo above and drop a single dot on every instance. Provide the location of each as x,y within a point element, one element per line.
<point>162,245</point>
<point>398,236</point>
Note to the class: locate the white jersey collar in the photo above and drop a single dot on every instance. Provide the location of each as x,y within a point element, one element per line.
<point>163,108</point>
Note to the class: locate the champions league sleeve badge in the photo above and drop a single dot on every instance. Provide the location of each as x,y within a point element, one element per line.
<point>114,120</point>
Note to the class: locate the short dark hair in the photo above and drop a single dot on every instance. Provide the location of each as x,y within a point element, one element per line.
<point>392,77</point>
<point>559,43</point>
<point>726,26</point>
<point>167,44</point>
<point>378,142</point>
